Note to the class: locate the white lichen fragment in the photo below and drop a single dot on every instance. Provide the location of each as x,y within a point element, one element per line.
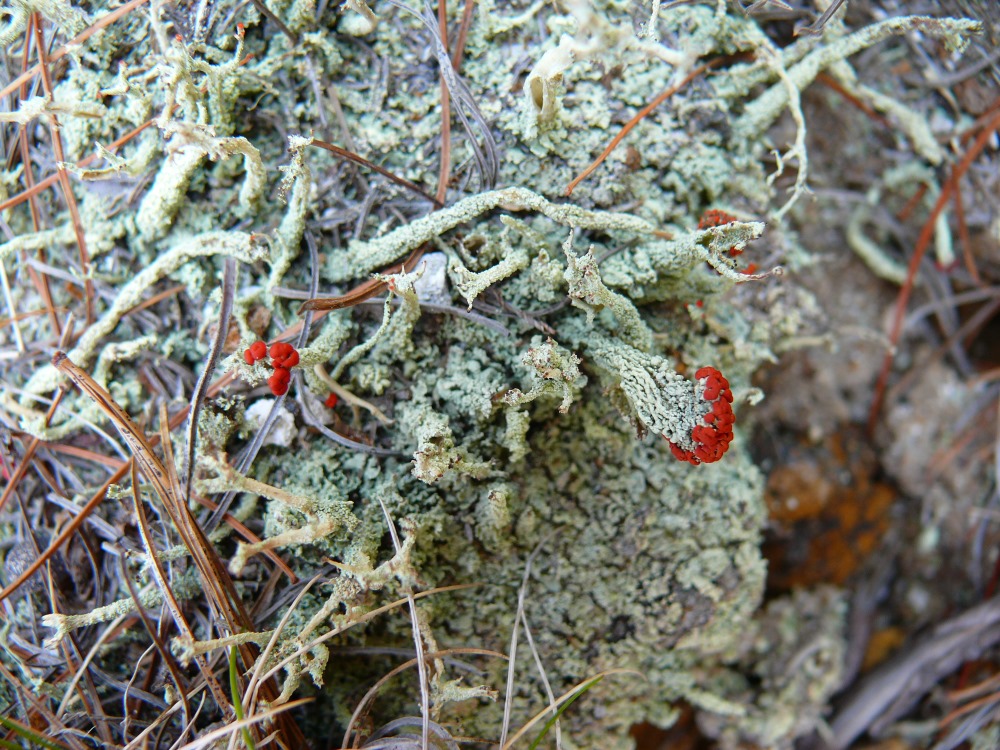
<point>470,284</point>
<point>283,429</point>
<point>361,22</point>
<point>40,107</point>
<point>437,455</point>
<point>60,13</point>
<point>296,185</point>
<point>555,372</point>
<point>304,535</point>
<point>870,252</point>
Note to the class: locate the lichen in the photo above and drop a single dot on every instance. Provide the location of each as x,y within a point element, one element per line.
<point>496,440</point>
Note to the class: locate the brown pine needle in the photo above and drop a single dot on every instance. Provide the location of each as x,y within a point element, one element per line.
<point>67,532</point>
<point>27,195</point>
<point>444,170</point>
<point>662,97</point>
<point>463,33</point>
<point>73,44</point>
<point>923,242</point>
<point>363,291</point>
<point>343,153</point>
<point>67,188</point>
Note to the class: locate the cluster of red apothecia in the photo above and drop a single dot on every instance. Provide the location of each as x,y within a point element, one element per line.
<point>283,359</point>
<point>713,436</point>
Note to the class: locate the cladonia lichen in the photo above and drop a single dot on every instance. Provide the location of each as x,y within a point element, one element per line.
<point>526,392</point>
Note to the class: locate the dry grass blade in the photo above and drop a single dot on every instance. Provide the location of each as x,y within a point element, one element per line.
<point>394,735</point>
<point>367,617</point>
<point>374,690</point>
<point>142,452</point>
<point>210,738</point>
<point>567,696</point>
<point>168,596</point>
<point>521,597</point>
<point>165,655</point>
<point>216,583</point>
<point>249,696</point>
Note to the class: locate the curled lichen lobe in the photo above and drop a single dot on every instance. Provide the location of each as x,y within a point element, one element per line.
<point>712,435</point>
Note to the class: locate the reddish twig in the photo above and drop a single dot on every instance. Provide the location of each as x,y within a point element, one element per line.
<point>67,188</point>
<point>923,242</point>
<point>444,169</point>
<point>832,83</point>
<point>463,34</point>
<point>910,206</point>
<point>67,532</point>
<point>40,281</point>
<point>662,97</point>
<point>73,44</point>
<point>27,195</point>
<point>343,153</point>
<point>965,241</point>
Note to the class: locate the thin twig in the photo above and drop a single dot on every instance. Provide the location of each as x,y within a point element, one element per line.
<point>67,188</point>
<point>444,169</point>
<point>923,242</point>
<point>74,44</point>
<point>463,34</point>
<point>265,11</point>
<point>229,276</point>
<point>343,153</point>
<point>660,98</point>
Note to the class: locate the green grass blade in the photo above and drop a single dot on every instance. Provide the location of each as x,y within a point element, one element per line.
<point>563,707</point>
<point>234,689</point>
<point>29,734</point>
